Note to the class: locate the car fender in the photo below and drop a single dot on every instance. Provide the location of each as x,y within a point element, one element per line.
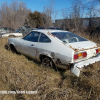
<point>13,41</point>
<point>12,44</point>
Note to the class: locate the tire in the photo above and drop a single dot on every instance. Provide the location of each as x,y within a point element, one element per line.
<point>47,62</point>
<point>13,49</point>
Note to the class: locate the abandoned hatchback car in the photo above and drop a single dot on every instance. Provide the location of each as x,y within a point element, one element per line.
<point>58,47</point>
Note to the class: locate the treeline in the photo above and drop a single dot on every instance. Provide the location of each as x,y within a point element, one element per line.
<point>38,19</point>
<point>79,11</point>
<point>17,14</point>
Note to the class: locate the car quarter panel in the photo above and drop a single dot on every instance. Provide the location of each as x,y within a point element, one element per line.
<point>57,50</point>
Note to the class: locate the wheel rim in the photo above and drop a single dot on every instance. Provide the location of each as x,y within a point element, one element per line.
<point>47,62</point>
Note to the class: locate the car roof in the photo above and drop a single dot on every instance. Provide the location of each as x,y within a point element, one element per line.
<point>49,30</point>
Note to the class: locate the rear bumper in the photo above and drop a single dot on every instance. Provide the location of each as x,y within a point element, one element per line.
<point>77,67</point>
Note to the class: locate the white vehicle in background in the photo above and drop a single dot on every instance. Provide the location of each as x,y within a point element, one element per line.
<point>57,47</point>
<point>15,34</point>
<point>4,30</point>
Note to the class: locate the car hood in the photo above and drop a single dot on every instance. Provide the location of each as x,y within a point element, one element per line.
<point>82,45</point>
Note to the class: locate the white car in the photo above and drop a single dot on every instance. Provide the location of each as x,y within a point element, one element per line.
<point>15,34</point>
<point>57,47</point>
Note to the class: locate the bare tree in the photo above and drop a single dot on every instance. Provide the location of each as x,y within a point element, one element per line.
<point>77,12</point>
<point>48,13</point>
<point>13,15</point>
<point>73,16</point>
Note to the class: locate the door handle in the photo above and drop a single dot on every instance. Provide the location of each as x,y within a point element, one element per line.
<point>32,45</point>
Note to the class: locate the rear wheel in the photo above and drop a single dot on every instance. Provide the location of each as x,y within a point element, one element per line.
<point>47,62</point>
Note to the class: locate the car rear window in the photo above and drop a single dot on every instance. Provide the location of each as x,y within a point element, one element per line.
<point>68,37</point>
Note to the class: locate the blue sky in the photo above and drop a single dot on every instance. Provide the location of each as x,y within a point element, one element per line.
<point>39,5</point>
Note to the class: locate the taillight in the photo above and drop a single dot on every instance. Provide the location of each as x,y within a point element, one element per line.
<point>84,54</point>
<point>75,56</point>
<point>80,55</point>
<point>97,51</point>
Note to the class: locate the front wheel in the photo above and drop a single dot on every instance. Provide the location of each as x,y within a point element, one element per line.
<point>13,49</point>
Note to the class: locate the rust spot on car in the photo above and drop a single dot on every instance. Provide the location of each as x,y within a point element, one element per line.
<point>50,34</point>
<point>52,54</point>
<point>58,62</point>
<point>63,43</point>
<point>88,48</point>
<point>77,50</point>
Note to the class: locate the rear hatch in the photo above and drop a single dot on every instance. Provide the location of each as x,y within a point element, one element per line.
<point>86,46</point>
<point>82,45</point>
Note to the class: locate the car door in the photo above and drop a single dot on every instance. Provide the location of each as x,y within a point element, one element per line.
<point>20,45</point>
<point>30,44</point>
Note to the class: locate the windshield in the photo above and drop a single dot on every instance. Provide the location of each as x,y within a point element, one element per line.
<point>68,37</point>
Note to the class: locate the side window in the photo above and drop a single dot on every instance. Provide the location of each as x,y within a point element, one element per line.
<point>44,38</point>
<point>32,36</point>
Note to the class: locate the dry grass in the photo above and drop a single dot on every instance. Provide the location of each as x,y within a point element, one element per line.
<point>19,73</point>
